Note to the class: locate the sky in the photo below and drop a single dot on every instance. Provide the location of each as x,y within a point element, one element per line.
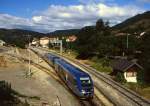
<point>50,15</point>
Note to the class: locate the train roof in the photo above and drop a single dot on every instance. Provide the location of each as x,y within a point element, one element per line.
<point>72,69</point>
<point>51,55</point>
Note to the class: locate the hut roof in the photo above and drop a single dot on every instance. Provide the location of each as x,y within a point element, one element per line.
<point>124,64</point>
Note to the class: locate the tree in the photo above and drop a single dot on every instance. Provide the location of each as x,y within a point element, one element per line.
<point>93,40</point>
<point>120,77</point>
<point>100,25</point>
<point>85,43</point>
<point>144,57</point>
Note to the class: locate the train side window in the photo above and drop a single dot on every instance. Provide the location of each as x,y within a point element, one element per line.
<point>72,80</point>
<point>75,83</point>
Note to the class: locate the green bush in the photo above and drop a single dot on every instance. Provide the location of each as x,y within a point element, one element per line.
<point>140,77</point>
<point>120,77</point>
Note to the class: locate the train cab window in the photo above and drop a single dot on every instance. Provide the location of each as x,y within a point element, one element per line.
<point>85,81</point>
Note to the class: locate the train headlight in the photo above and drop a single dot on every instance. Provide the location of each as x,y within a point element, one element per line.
<point>83,91</point>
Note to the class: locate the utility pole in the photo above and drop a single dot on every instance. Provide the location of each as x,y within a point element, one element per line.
<point>61,47</point>
<point>127,41</point>
<point>29,71</point>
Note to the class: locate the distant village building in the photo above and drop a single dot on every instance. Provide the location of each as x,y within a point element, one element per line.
<point>52,39</point>
<point>141,34</point>
<point>35,42</point>
<point>2,43</point>
<point>71,38</point>
<point>128,68</point>
<point>44,42</point>
<point>121,34</point>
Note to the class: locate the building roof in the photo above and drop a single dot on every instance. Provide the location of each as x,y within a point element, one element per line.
<point>44,38</point>
<point>124,64</point>
<point>121,34</point>
<point>35,39</point>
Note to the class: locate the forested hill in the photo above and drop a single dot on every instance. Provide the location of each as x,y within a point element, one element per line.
<point>140,22</point>
<point>18,36</point>
<point>19,32</point>
<point>64,32</point>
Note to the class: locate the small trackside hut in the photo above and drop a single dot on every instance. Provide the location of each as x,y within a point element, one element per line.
<point>129,69</point>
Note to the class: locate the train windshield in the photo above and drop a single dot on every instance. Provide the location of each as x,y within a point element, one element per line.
<point>85,81</point>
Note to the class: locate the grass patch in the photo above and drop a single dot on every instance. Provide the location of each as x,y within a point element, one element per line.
<point>101,64</point>
<point>98,66</point>
<point>71,54</point>
<point>9,97</point>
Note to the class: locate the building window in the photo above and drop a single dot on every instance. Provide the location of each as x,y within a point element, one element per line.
<point>131,74</point>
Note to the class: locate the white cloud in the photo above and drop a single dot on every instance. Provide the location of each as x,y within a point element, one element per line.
<point>10,21</point>
<point>37,18</point>
<point>58,17</point>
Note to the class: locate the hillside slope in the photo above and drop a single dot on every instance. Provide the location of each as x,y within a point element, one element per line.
<point>18,37</point>
<point>64,32</point>
<point>140,23</point>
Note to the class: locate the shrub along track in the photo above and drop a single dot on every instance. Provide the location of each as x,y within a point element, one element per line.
<point>55,77</point>
<point>127,96</point>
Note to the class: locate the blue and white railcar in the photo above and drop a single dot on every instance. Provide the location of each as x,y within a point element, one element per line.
<point>50,58</point>
<point>77,80</point>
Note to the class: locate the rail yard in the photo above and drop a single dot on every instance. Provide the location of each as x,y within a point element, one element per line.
<point>45,88</point>
<point>119,95</point>
<point>40,88</point>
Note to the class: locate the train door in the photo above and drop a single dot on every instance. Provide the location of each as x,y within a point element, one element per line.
<point>66,77</point>
<point>56,68</point>
<point>72,83</point>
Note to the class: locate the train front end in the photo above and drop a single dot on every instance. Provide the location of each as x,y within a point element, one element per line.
<point>86,87</point>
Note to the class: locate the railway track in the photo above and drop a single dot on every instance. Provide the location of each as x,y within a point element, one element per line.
<point>126,92</point>
<point>55,76</point>
<point>130,97</point>
<point>94,102</point>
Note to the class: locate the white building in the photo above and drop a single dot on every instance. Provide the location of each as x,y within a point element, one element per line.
<point>71,38</point>
<point>35,42</point>
<point>44,42</point>
<point>2,43</point>
<point>128,68</point>
<point>53,39</point>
